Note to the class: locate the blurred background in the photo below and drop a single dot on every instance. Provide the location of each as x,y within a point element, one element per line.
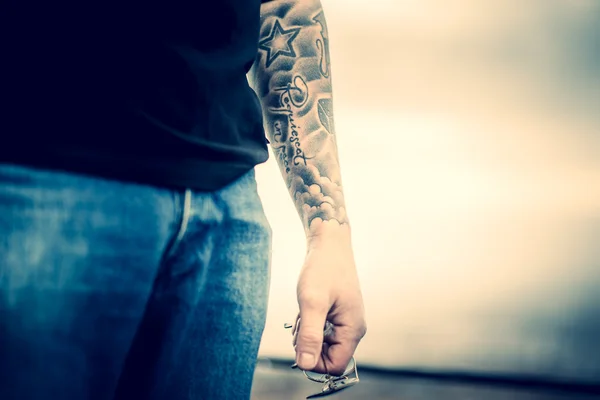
<point>469,137</point>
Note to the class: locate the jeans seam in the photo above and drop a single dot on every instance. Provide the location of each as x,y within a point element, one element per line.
<point>184,221</point>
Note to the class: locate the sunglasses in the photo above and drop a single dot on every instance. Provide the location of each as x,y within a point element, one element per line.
<point>332,383</point>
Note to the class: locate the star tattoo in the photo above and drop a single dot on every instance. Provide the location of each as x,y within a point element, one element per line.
<point>279,43</point>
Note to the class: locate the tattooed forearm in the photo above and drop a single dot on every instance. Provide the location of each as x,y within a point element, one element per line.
<point>292,78</point>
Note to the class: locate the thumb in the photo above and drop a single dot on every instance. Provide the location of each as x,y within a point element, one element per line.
<point>309,342</point>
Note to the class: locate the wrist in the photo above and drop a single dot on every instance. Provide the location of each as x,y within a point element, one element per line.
<point>321,231</point>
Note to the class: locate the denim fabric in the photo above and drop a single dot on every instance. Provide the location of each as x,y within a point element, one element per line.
<point>112,290</point>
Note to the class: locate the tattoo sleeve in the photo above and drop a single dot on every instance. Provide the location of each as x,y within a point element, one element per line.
<point>292,77</point>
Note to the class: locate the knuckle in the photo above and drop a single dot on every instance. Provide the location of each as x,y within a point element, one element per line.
<point>313,301</point>
<point>358,332</point>
<point>362,330</point>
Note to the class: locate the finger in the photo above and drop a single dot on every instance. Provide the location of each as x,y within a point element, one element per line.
<point>339,346</point>
<point>332,361</point>
<point>338,356</point>
<point>309,340</point>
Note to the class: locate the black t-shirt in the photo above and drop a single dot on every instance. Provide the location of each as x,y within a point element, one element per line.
<point>154,93</point>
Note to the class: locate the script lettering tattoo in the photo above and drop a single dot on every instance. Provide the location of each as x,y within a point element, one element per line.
<point>292,78</point>
<point>294,93</point>
<point>323,45</point>
<point>279,147</point>
<point>293,96</point>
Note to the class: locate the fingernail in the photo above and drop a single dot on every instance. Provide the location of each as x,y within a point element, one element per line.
<point>294,365</point>
<point>306,359</point>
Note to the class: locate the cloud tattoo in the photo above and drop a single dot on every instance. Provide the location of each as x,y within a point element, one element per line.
<point>317,196</point>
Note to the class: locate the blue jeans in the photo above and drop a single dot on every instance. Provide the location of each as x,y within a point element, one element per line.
<point>112,290</point>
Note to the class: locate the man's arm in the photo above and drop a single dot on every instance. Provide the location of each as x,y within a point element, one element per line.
<point>292,77</point>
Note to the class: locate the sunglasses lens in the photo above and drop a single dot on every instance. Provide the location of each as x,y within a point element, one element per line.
<point>317,377</point>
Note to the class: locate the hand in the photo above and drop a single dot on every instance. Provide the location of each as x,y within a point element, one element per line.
<point>328,290</point>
